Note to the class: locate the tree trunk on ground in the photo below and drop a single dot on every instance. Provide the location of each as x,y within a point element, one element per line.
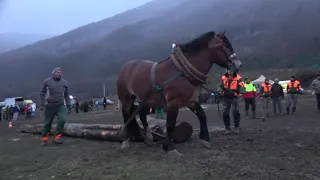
<point>113,132</point>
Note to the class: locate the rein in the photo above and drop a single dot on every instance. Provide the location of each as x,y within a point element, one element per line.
<point>217,103</point>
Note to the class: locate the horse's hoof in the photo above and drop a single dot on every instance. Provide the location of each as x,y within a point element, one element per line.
<point>175,153</point>
<point>205,144</point>
<point>125,144</point>
<point>122,133</point>
<point>148,141</point>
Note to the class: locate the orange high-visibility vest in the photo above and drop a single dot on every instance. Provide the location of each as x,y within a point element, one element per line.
<point>230,85</point>
<point>266,89</point>
<point>293,87</point>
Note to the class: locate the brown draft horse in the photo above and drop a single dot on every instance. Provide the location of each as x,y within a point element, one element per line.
<point>180,76</point>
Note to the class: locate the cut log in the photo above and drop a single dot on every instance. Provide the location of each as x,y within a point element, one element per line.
<point>89,131</point>
<point>109,132</point>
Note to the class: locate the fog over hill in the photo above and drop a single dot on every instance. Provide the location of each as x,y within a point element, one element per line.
<point>10,41</point>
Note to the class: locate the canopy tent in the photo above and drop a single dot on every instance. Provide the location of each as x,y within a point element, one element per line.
<point>261,80</point>
<point>27,102</point>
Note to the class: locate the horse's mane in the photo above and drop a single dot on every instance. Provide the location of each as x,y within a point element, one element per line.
<point>228,43</point>
<point>199,43</point>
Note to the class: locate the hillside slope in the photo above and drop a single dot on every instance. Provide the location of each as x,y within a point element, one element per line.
<point>265,33</point>
<point>73,40</point>
<point>10,41</point>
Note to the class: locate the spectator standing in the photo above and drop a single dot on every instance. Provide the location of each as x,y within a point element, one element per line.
<point>277,95</point>
<point>315,85</point>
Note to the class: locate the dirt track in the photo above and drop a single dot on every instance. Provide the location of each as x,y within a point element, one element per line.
<point>283,147</point>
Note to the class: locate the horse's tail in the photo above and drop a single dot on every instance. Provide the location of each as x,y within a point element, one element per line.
<point>132,107</point>
<point>133,125</point>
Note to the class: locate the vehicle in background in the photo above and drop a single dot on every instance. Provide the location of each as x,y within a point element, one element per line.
<point>25,102</point>
<point>2,104</point>
<point>13,101</point>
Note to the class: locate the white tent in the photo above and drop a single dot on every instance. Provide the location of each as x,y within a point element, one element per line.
<point>261,80</point>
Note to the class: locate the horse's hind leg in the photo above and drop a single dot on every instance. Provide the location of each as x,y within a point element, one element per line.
<point>126,115</point>
<point>204,133</point>
<point>132,129</point>
<point>148,139</point>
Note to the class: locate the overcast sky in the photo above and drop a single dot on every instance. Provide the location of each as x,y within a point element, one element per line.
<point>57,16</point>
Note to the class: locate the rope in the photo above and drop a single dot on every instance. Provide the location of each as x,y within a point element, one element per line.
<point>219,112</point>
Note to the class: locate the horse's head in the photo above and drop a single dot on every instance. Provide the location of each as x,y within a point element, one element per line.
<point>222,53</point>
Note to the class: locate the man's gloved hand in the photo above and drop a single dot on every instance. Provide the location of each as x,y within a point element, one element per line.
<point>41,108</point>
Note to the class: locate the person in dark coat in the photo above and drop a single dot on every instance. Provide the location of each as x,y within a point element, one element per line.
<point>104,103</point>
<point>77,106</point>
<point>277,96</point>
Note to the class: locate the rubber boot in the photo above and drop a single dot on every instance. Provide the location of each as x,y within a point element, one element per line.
<point>293,110</point>
<point>57,141</point>
<point>288,110</point>
<point>44,143</point>
<point>254,115</point>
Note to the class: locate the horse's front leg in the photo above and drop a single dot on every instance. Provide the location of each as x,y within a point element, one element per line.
<point>172,114</point>
<point>148,138</point>
<point>204,133</point>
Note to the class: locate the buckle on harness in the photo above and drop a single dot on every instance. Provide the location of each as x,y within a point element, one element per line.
<point>157,88</point>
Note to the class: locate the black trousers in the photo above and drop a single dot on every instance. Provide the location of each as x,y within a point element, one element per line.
<point>248,102</point>
<point>318,100</point>
<point>228,103</point>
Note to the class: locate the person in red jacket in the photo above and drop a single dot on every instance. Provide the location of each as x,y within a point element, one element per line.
<point>249,97</point>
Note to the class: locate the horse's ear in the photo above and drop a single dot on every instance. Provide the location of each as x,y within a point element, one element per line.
<point>222,34</point>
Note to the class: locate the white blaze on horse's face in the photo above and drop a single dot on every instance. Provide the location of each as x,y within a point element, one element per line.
<point>235,61</point>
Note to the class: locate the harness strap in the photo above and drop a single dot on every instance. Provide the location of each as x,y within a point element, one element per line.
<point>157,87</point>
<point>181,62</point>
<point>189,65</point>
<point>153,75</point>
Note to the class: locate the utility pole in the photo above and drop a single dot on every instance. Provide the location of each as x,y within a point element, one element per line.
<point>104,90</point>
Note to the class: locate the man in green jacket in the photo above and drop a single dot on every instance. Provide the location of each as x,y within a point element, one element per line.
<point>53,105</point>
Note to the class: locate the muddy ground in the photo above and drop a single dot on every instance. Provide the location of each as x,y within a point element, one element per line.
<point>283,147</point>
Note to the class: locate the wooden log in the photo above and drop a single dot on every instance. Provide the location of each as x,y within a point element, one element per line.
<point>89,131</point>
<point>113,132</point>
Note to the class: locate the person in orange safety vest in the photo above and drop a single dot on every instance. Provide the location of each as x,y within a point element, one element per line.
<point>232,87</point>
<point>293,89</point>
<point>265,94</point>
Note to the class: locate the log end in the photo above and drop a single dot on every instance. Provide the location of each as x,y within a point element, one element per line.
<point>182,132</point>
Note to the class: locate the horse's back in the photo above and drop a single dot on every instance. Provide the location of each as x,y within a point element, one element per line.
<point>135,76</point>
